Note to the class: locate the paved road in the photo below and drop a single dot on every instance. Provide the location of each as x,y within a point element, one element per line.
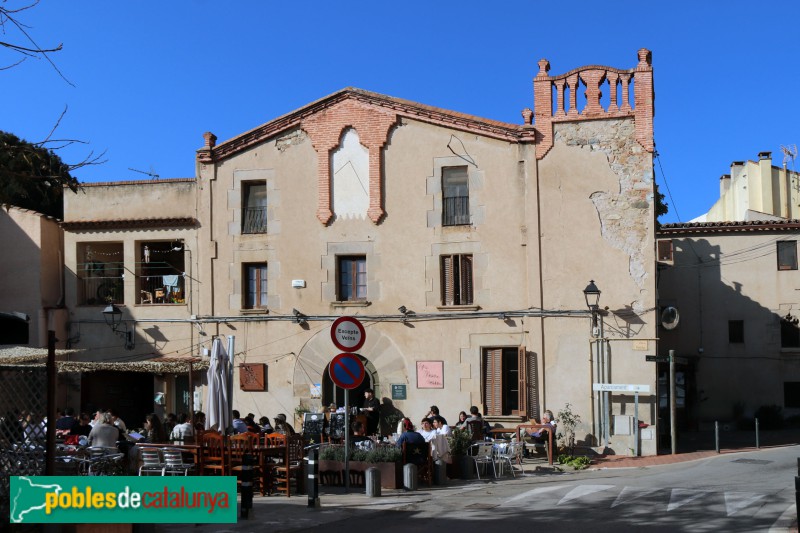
<point>734,492</point>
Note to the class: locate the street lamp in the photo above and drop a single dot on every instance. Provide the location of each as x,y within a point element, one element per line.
<point>592,295</point>
<point>113,317</point>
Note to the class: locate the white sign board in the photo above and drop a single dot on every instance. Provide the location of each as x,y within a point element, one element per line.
<point>614,387</point>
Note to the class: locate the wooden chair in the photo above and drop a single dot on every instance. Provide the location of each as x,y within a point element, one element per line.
<point>215,461</point>
<point>292,466</point>
<point>420,455</point>
<point>476,429</point>
<point>274,439</point>
<point>147,297</point>
<point>241,445</point>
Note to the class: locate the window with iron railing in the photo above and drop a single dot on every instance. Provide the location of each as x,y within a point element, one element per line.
<point>254,210</point>
<point>100,273</point>
<point>455,196</point>
<point>160,273</point>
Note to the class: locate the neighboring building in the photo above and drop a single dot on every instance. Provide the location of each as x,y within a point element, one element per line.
<point>463,244</point>
<point>755,191</point>
<point>734,285</point>
<point>32,285</point>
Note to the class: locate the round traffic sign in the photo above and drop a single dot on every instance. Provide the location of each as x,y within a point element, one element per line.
<point>348,334</point>
<point>346,370</point>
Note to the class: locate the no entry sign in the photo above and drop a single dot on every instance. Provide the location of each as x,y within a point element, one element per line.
<point>346,370</point>
<point>348,334</point>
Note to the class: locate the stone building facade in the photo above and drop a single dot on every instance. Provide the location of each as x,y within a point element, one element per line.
<point>462,244</point>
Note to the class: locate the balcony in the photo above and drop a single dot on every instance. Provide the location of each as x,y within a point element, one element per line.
<point>254,220</point>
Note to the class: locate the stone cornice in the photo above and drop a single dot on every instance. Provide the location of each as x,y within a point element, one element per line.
<point>139,223</point>
<point>668,230</point>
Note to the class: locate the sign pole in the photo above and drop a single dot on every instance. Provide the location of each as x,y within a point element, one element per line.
<point>672,403</point>
<point>346,440</point>
<point>636,420</point>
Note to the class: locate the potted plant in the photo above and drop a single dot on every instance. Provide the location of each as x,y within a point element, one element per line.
<point>384,458</point>
<point>462,465</point>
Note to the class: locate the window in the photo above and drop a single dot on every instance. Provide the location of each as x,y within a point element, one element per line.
<point>100,273</point>
<point>736,331</point>
<point>508,382</point>
<point>456,279</point>
<point>665,250</point>
<point>255,289</point>
<point>160,273</point>
<point>254,210</point>
<point>790,334</point>
<point>352,278</point>
<point>455,196</point>
<point>787,255</point>
<point>791,394</point>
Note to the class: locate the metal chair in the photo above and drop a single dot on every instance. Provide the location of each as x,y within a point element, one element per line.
<point>511,455</point>
<point>483,454</point>
<point>151,462</point>
<point>173,462</point>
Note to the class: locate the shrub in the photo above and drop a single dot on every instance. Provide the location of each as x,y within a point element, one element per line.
<point>459,440</point>
<point>382,454</point>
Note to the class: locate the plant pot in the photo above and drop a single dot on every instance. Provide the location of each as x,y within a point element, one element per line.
<point>391,473</point>
<point>466,467</point>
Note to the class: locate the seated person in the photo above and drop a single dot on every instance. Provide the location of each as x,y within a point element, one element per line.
<point>462,420</point>
<point>182,431</point>
<point>411,437</point>
<point>440,426</point>
<point>427,430</point>
<point>266,427</point>
<point>104,434</point>
<point>83,428</point>
<point>541,435</point>
<point>359,439</point>
<point>434,412</point>
<point>282,426</point>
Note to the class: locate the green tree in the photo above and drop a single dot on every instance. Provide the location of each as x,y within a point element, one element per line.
<point>33,177</point>
<point>662,208</point>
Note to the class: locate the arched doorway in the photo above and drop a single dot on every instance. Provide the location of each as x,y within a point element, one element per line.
<point>333,394</point>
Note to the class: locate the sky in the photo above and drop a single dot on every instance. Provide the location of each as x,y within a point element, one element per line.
<point>146,79</point>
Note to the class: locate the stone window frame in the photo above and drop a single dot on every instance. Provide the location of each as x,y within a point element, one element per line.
<point>433,269</point>
<point>245,283</point>
<point>330,264</point>
<point>236,198</point>
<point>475,183</point>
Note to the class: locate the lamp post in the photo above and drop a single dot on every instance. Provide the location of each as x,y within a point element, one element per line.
<point>592,295</point>
<point>113,317</point>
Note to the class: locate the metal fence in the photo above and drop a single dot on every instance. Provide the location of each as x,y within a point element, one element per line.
<point>23,406</point>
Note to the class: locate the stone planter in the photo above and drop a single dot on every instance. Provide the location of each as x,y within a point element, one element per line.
<point>391,473</point>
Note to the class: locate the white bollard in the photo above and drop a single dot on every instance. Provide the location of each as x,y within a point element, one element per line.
<point>373,482</point>
<point>410,477</point>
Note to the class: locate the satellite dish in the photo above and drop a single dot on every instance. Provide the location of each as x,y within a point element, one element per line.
<point>669,317</point>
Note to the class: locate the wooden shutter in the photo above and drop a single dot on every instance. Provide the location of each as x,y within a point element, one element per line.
<point>493,381</point>
<point>533,386</point>
<point>466,280</point>
<point>522,376</point>
<point>448,295</point>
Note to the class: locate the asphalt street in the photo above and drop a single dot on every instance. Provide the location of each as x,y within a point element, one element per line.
<point>751,491</point>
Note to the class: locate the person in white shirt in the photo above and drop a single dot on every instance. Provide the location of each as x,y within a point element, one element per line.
<point>426,429</point>
<point>182,430</point>
<point>117,420</point>
<point>440,426</point>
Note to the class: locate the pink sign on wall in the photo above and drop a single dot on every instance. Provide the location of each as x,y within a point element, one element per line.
<point>430,374</point>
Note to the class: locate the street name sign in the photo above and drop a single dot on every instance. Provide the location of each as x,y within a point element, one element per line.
<point>616,387</point>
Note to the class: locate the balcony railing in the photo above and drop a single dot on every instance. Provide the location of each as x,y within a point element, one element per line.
<point>254,220</point>
<point>455,211</point>
<point>161,290</point>
<point>99,290</point>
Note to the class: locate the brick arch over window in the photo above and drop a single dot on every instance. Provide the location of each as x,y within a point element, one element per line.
<point>325,129</point>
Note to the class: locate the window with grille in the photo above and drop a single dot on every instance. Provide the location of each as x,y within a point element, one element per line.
<point>509,382</point>
<point>455,196</point>
<point>255,289</point>
<point>352,278</point>
<point>787,255</point>
<point>456,279</point>
<point>254,210</point>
